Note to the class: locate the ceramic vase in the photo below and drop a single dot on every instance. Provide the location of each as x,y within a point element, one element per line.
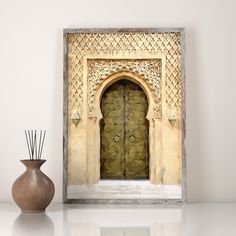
<point>33,190</point>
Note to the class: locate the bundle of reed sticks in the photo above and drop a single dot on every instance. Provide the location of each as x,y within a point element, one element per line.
<point>35,143</point>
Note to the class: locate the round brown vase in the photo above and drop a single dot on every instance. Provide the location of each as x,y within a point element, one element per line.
<point>33,190</point>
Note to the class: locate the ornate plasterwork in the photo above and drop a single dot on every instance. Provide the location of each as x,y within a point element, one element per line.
<point>124,43</point>
<point>148,70</point>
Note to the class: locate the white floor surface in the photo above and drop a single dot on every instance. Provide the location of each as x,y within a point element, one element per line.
<point>119,220</point>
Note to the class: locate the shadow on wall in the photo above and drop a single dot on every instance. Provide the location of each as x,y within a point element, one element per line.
<point>194,118</point>
<point>56,127</point>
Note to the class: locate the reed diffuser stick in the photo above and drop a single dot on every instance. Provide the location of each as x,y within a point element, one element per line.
<point>34,144</point>
<point>28,144</point>
<point>42,144</point>
<point>40,138</point>
<point>32,141</point>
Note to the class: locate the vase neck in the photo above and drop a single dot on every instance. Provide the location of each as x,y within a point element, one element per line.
<point>33,164</point>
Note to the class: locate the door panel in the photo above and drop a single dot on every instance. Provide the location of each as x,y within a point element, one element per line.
<point>136,136</point>
<point>112,138</point>
<point>124,132</point>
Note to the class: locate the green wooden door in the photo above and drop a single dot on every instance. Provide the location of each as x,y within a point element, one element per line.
<point>124,132</point>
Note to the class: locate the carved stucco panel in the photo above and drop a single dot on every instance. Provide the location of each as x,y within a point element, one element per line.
<point>149,70</point>
<point>166,43</point>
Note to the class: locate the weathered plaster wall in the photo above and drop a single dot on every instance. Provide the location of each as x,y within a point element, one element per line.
<point>31,62</point>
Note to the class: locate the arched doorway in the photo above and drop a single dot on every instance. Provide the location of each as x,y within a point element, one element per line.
<point>124,132</point>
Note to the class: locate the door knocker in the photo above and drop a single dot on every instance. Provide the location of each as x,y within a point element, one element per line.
<point>117,138</point>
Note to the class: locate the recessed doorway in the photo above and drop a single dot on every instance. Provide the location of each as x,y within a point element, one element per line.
<point>124,132</point>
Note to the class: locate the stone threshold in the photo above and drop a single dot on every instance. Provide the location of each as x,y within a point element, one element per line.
<point>124,189</point>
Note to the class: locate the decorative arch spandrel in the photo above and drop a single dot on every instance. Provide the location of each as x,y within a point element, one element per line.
<point>150,70</point>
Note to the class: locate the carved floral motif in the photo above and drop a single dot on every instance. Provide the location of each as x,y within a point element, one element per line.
<point>149,70</point>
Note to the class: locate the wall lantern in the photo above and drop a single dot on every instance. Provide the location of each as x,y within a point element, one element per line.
<point>172,117</point>
<point>75,118</point>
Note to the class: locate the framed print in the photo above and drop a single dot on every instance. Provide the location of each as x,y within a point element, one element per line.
<point>124,116</point>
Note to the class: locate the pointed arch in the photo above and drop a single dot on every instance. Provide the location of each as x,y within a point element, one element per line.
<point>155,130</point>
<point>119,76</point>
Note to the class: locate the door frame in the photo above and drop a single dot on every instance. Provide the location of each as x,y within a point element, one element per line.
<point>155,126</point>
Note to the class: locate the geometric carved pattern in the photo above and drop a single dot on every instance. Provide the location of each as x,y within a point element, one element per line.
<point>148,69</point>
<point>105,44</point>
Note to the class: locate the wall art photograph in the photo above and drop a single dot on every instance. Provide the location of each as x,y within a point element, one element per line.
<point>124,114</point>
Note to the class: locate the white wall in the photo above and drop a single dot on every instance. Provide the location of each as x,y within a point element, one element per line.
<point>31,62</point>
